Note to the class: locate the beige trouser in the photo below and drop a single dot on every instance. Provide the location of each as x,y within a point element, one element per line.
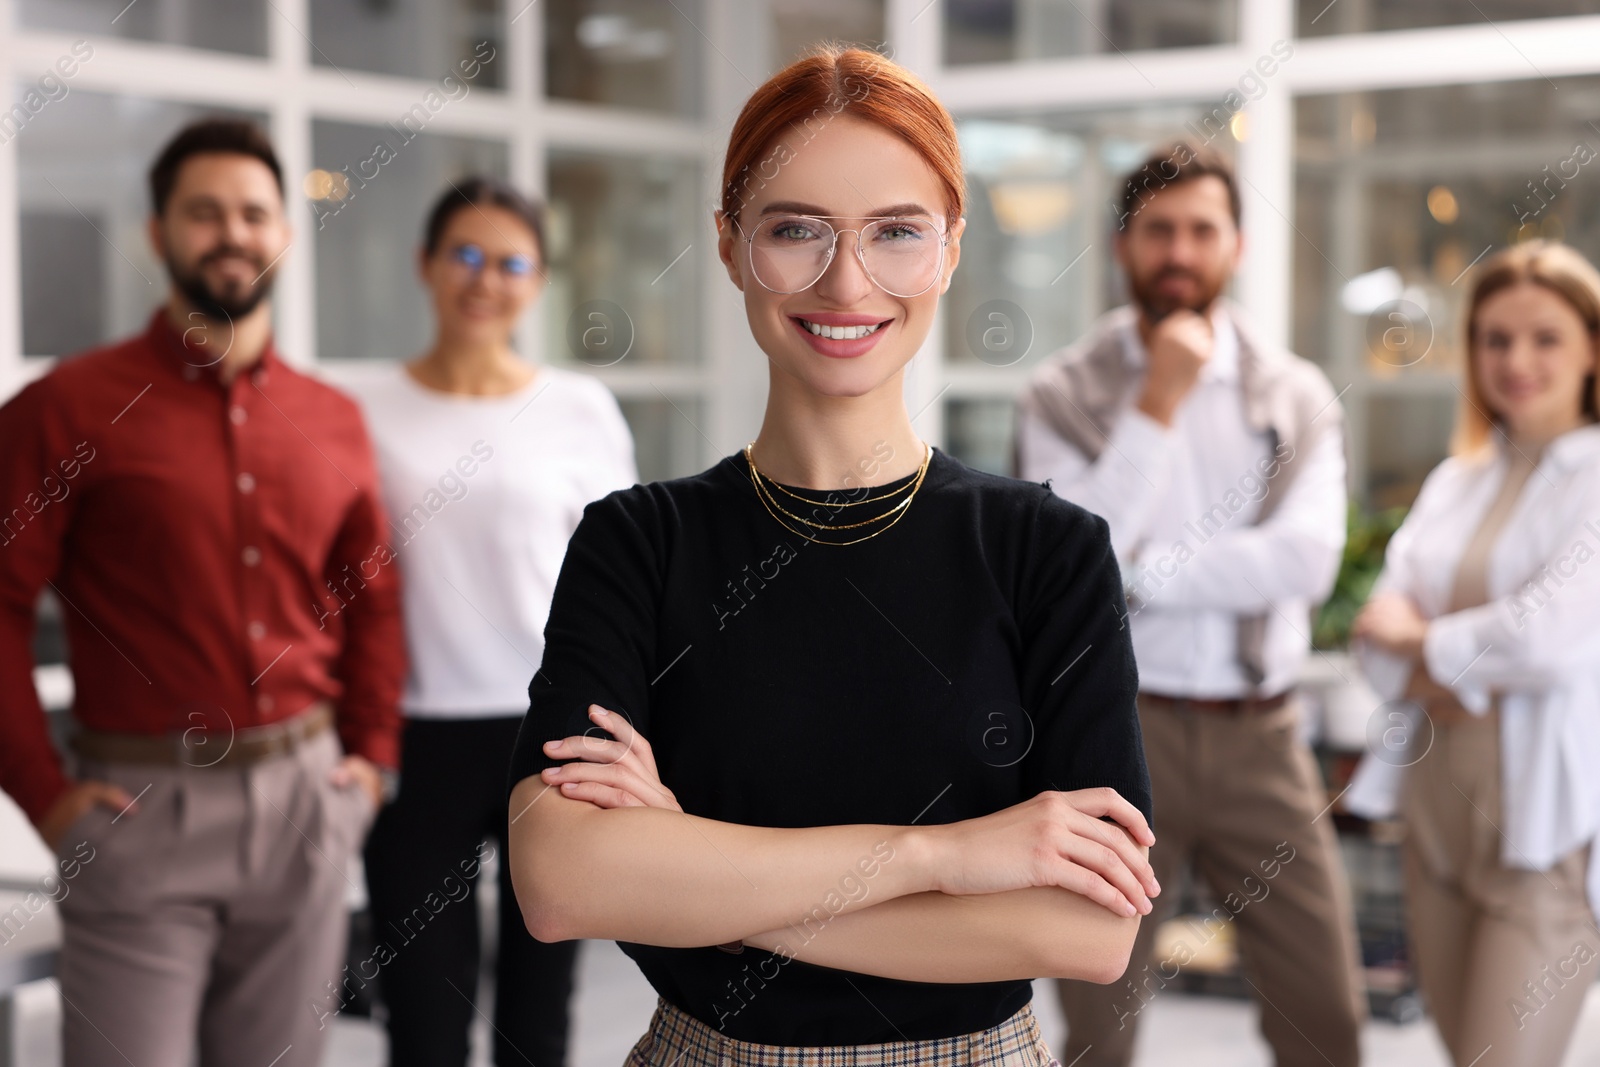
<point>1504,956</point>
<point>213,917</point>
<point>1242,799</point>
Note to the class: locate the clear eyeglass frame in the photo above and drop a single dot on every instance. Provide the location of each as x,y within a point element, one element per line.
<point>833,248</point>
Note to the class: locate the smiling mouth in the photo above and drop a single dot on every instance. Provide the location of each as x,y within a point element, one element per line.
<point>841,333</point>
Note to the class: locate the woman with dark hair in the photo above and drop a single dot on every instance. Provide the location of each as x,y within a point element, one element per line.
<point>893,768</point>
<point>1482,632</point>
<point>487,462</point>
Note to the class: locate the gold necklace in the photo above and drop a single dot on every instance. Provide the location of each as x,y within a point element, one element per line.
<point>834,492</point>
<point>767,489</point>
<point>898,510</point>
<point>826,525</point>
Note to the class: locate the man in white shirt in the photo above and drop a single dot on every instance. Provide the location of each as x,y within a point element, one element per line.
<point>1218,462</point>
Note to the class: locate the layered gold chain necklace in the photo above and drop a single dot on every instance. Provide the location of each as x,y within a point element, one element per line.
<point>764,486</point>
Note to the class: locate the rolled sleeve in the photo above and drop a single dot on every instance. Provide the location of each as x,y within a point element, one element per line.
<point>1453,644</point>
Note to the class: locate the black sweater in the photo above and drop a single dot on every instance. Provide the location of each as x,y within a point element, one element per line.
<point>959,663</point>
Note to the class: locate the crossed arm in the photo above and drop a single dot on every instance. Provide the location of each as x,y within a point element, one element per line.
<point>1046,888</point>
<point>1039,932</point>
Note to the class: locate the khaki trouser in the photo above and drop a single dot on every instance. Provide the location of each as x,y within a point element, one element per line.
<point>1241,799</point>
<point>1504,956</point>
<point>211,918</point>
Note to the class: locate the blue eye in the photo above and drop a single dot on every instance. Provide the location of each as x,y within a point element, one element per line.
<point>470,256</point>
<point>517,266</point>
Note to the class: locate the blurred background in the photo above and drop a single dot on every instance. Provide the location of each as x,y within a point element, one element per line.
<point>1384,147</point>
<point>1390,144</point>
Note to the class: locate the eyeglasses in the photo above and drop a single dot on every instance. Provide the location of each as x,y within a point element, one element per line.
<point>902,254</point>
<point>472,258</point>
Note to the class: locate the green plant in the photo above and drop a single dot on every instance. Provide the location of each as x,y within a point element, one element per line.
<point>1368,534</point>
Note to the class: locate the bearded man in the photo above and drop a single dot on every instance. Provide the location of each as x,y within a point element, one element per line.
<point>1217,459</point>
<point>189,496</point>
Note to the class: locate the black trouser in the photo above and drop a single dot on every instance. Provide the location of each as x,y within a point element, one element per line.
<point>452,801</point>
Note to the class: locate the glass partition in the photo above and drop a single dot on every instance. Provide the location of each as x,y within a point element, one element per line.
<point>1005,31</point>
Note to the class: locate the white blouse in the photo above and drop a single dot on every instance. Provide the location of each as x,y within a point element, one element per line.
<point>483,493</point>
<point>1536,643</point>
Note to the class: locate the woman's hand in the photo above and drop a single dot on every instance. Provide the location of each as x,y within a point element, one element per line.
<point>1439,703</point>
<point>1055,839</point>
<point>618,773</point>
<point>1393,623</point>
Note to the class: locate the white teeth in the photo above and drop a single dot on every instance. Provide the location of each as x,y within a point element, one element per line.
<point>840,333</point>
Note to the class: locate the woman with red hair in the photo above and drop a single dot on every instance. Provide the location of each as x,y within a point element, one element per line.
<point>894,770</point>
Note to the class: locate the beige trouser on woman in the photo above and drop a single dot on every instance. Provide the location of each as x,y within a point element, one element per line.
<point>1504,956</point>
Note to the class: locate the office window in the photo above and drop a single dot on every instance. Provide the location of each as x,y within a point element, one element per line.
<point>1403,438</point>
<point>798,25</point>
<point>978,432</point>
<point>1321,18</point>
<point>429,39</point>
<point>642,54</point>
<point>627,239</point>
<point>667,439</point>
<point>223,25</point>
<point>1004,31</point>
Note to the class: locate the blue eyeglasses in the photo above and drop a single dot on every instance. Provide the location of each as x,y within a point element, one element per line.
<point>473,258</point>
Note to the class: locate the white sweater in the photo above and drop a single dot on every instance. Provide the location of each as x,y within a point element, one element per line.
<point>483,494</point>
<point>1536,643</point>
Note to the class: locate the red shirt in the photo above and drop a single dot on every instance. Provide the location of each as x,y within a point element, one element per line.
<point>219,550</point>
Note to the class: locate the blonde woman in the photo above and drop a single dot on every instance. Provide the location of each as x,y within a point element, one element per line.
<point>1483,631</point>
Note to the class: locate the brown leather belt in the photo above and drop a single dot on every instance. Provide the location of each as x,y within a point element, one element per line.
<point>1241,706</point>
<point>199,747</point>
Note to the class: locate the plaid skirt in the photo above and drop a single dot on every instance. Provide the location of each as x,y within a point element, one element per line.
<point>678,1039</point>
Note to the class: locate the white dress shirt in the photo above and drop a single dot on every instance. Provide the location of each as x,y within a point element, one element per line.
<point>483,493</point>
<point>1181,502</point>
<point>1535,643</point>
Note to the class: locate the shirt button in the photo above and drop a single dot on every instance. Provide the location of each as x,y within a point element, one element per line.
<point>238,415</point>
<point>264,702</point>
<point>257,630</point>
<point>246,482</point>
<point>251,555</point>
<point>190,373</point>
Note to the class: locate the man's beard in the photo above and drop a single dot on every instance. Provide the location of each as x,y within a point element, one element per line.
<point>233,303</point>
<point>1157,305</point>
